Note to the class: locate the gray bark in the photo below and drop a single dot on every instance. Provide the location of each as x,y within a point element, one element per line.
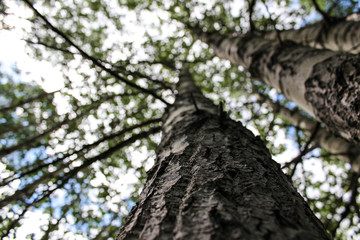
<point>325,84</point>
<point>342,36</point>
<point>213,179</point>
<point>336,145</point>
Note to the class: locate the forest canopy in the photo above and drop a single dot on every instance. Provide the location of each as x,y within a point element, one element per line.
<point>75,149</point>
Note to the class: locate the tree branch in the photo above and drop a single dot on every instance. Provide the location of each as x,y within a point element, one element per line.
<point>28,189</point>
<point>251,11</point>
<point>354,183</point>
<point>319,10</point>
<point>83,150</point>
<point>273,22</point>
<point>304,151</point>
<point>38,42</point>
<point>94,60</point>
<point>33,140</point>
<point>327,18</point>
<point>25,101</point>
<point>123,69</point>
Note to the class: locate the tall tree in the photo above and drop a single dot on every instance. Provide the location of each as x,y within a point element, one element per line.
<point>213,179</point>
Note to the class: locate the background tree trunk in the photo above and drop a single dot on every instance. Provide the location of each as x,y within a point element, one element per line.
<point>342,36</point>
<point>213,179</point>
<point>336,145</point>
<point>325,84</point>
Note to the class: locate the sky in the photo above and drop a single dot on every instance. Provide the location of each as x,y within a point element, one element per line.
<point>13,52</point>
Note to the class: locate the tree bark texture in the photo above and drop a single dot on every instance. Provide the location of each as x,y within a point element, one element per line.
<point>324,83</point>
<point>213,179</point>
<point>343,36</point>
<point>336,145</point>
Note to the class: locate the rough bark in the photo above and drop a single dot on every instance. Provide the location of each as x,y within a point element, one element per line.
<point>333,89</point>
<point>325,139</point>
<point>341,36</point>
<point>323,83</point>
<point>213,179</point>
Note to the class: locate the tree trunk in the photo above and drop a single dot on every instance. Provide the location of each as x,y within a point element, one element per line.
<point>343,36</point>
<point>325,84</point>
<point>336,145</point>
<point>213,179</point>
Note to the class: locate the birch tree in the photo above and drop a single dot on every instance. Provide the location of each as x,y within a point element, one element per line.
<point>322,82</point>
